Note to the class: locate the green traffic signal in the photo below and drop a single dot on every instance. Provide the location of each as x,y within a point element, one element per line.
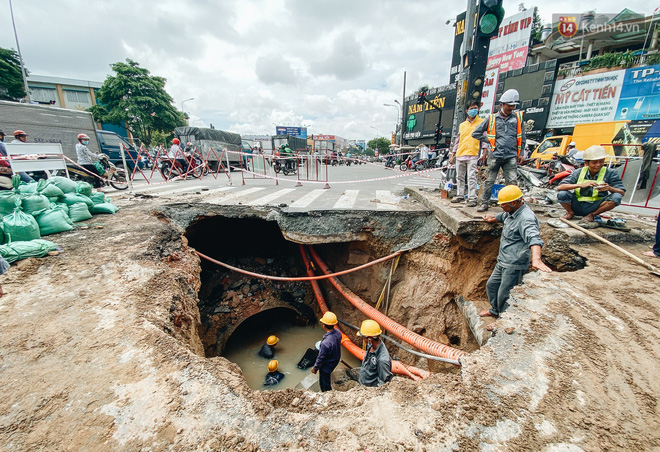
<point>490,18</point>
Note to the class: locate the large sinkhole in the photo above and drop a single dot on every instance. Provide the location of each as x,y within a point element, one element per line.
<point>238,312</point>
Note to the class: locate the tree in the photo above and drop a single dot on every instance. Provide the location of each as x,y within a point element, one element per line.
<point>11,79</point>
<point>382,144</point>
<point>139,99</point>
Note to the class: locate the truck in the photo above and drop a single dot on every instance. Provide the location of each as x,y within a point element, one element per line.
<point>205,139</point>
<point>45,124</point>
<point>620,138</point>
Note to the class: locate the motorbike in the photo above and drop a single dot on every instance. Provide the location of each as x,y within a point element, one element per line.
<point>285,165</point>
<point>114,176</point>
<point>195,167</point>
<point>390,162</point>
<point>419,165</point>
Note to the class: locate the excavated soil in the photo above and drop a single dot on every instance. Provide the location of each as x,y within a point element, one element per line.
<point>100,349</point>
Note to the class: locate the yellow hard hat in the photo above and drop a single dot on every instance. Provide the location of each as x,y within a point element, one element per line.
<point>329,318</point>
<point>509,193</point>
<point>272,340</point>
<point>594,153</point>
<point>272,365</point>
<point>370,328</point>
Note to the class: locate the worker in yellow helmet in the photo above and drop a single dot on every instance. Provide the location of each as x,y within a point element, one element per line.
<point>268,349</point>
<point>273,376</point>
<point>376,369</point>
<point>329,351</point>
<point>520,239</point>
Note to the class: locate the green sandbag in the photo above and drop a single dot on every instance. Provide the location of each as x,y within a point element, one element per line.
<point>71,198</point>
<point>28,188</point>
<point>53,220</point>
<point>98,197</point>
<point>8,202</point>
<point>35,202</point>
<point>84,188</point>
<point>61,206</point>
<point>17,251</point>
<point>20,226</point>
<point>2,234</point>
<point>104,207</point>
<point>54,199</point>
<point>64,184</point>
<point>49,189</point>
<point>79,212</point>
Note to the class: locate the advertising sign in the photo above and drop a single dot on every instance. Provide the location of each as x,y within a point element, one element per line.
<point>489,91</point>
<point>459,32</point>
<point>299,132</point>
<point>640,94</point>
<point>589,98</point>
<point>508,50</point>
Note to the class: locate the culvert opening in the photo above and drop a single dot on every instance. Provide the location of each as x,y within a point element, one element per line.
<point>420,299</point>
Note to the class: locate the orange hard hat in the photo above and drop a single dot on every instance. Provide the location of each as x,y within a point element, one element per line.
<point>176,141</point>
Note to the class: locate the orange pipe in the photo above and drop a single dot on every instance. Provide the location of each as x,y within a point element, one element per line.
<point>422,343</point>
<point>397,367</point>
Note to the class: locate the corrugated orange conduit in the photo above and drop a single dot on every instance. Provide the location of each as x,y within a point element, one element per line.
<point>422,343</point>
<point>397,367</point>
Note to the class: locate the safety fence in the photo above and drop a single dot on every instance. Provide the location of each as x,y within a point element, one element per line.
<point>639,176</point>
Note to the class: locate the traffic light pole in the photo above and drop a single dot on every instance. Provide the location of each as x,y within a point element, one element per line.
<point>464,72</point>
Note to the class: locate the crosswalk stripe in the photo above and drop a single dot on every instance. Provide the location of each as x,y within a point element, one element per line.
<point>235,195</point>
<point>214,190</point>
<point>307,199</point>
<point>271,197</point>
<point>388,200</point>
<point>179,190</point>
<point>347,199</point>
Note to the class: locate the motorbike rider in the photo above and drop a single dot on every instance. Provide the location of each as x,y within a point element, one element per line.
<point>21,137</point>
<point>286,153</point>
<point>423,153</point>
<point>88,159</point>
<point>176,155</point>
<point>390,158</point>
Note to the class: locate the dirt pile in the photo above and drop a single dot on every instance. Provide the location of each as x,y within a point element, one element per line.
<point>98,350</point>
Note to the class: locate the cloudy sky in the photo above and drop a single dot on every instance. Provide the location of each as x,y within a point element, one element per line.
<point>250,64</point>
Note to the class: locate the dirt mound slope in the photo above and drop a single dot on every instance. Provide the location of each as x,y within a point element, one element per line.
<point>99,350</point>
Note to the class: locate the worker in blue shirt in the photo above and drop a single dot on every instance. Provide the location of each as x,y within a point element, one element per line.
<point>329,351</point>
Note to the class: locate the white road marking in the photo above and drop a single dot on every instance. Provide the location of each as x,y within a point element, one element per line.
<point>214,190</point>
<point>307,199</point>
<point>347,199</point>
<point>235,195</point>
<point>271,197</point>
<point>179,190</point>
<point>388,200</point>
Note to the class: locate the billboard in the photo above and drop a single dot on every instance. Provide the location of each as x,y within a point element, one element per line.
<point>459,32</point>
<point>421,119</point>
<point>489,92</point>
<point>508,50</point>
<point>587,98</point>
<point>640,94</point>
<point>298,132</point>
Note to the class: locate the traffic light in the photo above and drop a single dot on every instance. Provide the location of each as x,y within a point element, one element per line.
<point>476,60</point>
<point>490,17</point>
<point>421,97</point>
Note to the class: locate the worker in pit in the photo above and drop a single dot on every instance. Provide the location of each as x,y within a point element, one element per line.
<point>268,349</point>
<point>592,189</point>
<point>329,351</point>
<point>273,376</point>
<point>520,239</point>
<point>376,369</point>
<point>505,132</point>
<point>466,154</point>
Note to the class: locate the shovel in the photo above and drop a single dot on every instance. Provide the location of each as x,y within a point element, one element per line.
<point>652,269</point>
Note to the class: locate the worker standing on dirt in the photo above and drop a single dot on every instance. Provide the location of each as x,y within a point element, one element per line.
<point>596,189</point>
<point>520,238</point>
<point>466,154</point>
<point>505,132</point>
<point>376,369</point>
<point>273,376</point>
<point>329,351</point>
<point>268,349</point>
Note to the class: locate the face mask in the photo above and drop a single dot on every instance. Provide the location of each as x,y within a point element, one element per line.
<point>472,112</point>
<point>85,142</point>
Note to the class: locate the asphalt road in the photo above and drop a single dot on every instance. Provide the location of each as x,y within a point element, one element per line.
<point>362,187</point>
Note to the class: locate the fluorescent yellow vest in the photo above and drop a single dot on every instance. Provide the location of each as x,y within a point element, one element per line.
<point>468,145</point>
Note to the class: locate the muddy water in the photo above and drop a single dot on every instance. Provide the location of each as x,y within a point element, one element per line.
<point>243,346</point>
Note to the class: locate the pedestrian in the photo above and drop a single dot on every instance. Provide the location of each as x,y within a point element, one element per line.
<point>273,376</point>
<point>20,137</point>
<point>466,153</point>
<point>592,189</point>
<point>655,252</point>
<point>329,351</point>
<point>376,369</point>
<point>505,132</point>
<point>268,349</point>
<point>520,239</point>
<point>87,159</point>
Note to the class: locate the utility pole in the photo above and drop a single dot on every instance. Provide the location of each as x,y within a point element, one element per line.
<point>403,111</point>
<point>20,56</point>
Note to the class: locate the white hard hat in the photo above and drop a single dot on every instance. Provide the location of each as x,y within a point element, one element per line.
<point>510,96</point>
<point>572,143</point>
<point>594,153</point>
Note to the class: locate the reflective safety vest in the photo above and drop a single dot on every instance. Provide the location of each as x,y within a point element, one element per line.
<point>491,133</point>
<point>599,180</point>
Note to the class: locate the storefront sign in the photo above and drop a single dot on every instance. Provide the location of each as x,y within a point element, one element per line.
<point>640,94</point>
<point>508,50</point>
